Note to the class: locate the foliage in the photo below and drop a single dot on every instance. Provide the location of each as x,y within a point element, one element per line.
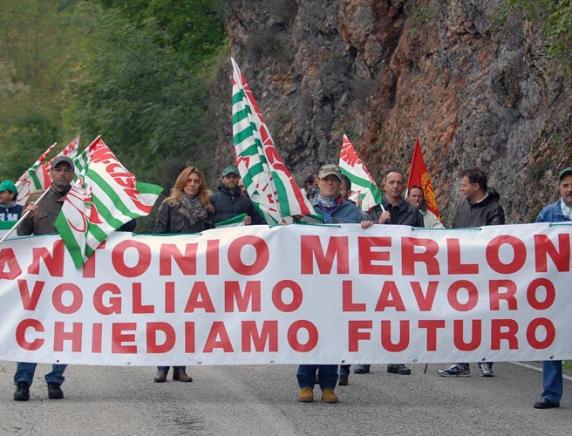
<point>555,17</point>
<point>32,70</point>
<point>135,71</point>
<point>193,28</point>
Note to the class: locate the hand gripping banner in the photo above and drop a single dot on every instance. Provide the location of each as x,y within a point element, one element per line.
<point>292,294</point>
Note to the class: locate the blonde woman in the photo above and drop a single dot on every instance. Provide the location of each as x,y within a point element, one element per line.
<point>187,210</point>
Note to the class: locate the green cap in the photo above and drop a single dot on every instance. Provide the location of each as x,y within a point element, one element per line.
<point>565,172</point>
<point>231,169</point>
<point>8,185</point>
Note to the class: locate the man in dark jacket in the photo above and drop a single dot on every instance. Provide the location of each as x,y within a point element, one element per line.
<point>40,221</point>
<point>481,207</point>
<point>394,209</point>
<point>560,211</point>
<point>9,209</point>
<point>229,201</point>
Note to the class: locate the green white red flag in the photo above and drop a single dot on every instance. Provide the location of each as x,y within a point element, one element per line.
<point>266,178</point>
<point>104,196</point>
<point>419,176</point>
<point>365,192</point>
<point>36,178</point>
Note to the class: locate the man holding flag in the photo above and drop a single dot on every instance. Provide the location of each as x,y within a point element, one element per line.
<point>393,210</point>
<point>40,221</point>
<point>230,202</point>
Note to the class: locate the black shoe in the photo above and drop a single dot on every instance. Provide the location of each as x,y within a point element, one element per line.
<point>344,380</point>
<point>543,403</point>
<point>161,376</point>
<point>400,369</point>
<point>55,391</point>
<point>22,392</point>
<point>361,369</point>
<point>180,374</point>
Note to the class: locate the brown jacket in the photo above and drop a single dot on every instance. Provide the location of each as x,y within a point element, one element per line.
<point>44,220</point>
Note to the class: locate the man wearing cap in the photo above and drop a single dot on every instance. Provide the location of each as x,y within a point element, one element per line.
<point>9,209</point>
<point>560,211</point>
<point>333,209</point>
<point>40,221</point>
<point>229,201</point>
<point>393,210</point>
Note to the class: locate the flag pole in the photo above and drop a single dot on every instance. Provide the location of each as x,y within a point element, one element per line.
<point>44,154</point>
<point>9,232</point>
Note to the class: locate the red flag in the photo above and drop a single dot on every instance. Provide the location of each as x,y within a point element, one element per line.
<point>419,176</point>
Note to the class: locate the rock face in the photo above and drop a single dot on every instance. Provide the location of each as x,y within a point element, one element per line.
<point>476,90</point>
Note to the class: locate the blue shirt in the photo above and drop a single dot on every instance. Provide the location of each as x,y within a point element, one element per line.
<point>552,213</point>
<point>12,212</point>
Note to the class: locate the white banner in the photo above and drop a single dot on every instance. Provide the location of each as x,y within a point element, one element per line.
<point>292,294</point>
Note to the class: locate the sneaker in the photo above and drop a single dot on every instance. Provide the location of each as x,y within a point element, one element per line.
<point>361,369</point>
<point>455,371</point>
<point>343,380</point>
<point>485,370</point>
<point>400,369</point>
<point>306,395</point>
<point>22,392</point>
<point>329,396</point>
<point>55,391</point>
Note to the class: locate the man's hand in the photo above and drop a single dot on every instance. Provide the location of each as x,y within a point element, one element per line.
<point>247,220</point>
<point>384,217</point>
<point>31,209</point>
<point>366,224</point>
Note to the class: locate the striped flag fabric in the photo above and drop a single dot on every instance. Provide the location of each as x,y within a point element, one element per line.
<point>365,192</point>
<point>235,221</point>
<point>36,178</point>
<point>419,176</point>
<point>266,178</point>
<point>104,196</point>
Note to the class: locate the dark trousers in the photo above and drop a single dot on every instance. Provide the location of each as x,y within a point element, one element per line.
<point>327,376</point>
<point>25,373</point>
<point>166,368</point>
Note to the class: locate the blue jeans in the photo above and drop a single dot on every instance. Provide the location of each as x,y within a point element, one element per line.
<point>25,373</point>
<point>166,368</point>
<point>552,380</point>
<point>327,376</point>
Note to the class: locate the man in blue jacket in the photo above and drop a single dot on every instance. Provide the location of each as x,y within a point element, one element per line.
<point>560,211</point>
<point>334,210</point>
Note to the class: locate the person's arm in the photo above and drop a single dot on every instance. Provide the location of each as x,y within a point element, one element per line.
<point>418,222</point>
<point>26,227</point>
<point>541,216</point>
<point>210,219</point>
<point>162,219</point>
<point>496,217</point>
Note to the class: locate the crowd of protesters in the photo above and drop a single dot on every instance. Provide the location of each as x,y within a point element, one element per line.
<point>191,207</point>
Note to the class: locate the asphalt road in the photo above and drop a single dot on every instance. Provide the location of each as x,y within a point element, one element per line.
<point>261,400</point>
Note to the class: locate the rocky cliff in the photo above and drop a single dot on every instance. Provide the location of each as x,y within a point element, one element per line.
<point>475,88</point>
